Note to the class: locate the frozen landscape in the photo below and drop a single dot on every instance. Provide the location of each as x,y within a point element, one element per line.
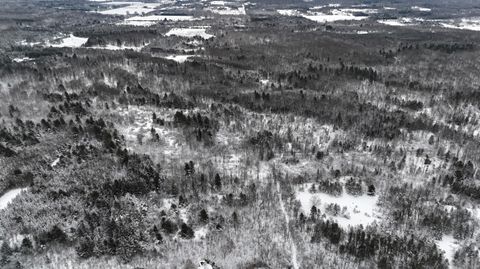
<point>239,134</point>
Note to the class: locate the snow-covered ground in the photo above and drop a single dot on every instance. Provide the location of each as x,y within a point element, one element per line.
<point>359,209</point>
<point>401,21</point>
<point>190,32</point>
<point>226,10</point>
<point>23,59</point>
<point>153,19</point>
<point>129,8</point>
<point>178,58</point>
<point>472,24</point>
<point>201,233</point>
<point>69,42</point>
<point>54,163</point>
<point>288,12</point>
<point>116,47</point>
<point>449,245</point>
<point>293,247</point>
<point>9,196</point>
<point>333,15</point>
<point>423,9</point>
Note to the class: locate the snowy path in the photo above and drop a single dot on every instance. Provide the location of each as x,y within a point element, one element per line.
<point>9,196</point>
<point>287,220</point>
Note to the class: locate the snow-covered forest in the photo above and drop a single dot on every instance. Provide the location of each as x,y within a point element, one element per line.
<point>234,134</point>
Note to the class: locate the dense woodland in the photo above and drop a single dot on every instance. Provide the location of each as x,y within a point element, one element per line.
<point>279,143</point>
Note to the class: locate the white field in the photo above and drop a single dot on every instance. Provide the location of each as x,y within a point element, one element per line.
<point>288,12</point>
<point>472,24</point>
<point>130,8</point>
<point>363,10</point>
<point>449,245</point>
<point>115,47</point>
<point>9,196</point>
<point>23,59</point>
<point>423,9</point>
<point>359,209</point>
<point>190,32</point>
<point>219,3</point>
<point>401,21</point>
<point>332,16</point>
<point>201,233</point>
<point>153,19</point>
<point>226,10</point>
<point>69,42</point>
<point>178,58</point>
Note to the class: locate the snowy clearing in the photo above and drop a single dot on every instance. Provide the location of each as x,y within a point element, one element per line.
<point>332,16</point>
<point>178,58</point>
<point>472,24</point>
<point>359,209</point>
<point>225,10</point>
<point>190,32</point>
<point>423,9</point>
<point>201,233</point>
<point>449,245</point>
<point>8,197</point>
<point>69,42</point>
<point>401,21</point>
<point>288,12</point>
<point>132,8</point>
<point>116,47</point>
<point>23,59</point>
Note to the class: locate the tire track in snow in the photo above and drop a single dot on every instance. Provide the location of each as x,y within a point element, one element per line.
<point>287,220</point>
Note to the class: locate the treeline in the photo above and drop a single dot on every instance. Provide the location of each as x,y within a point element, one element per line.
<point>344,111</point>
<point>388,251</point>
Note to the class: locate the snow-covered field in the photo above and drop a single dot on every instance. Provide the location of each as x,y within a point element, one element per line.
<point>449,245</point>
<point>128,8</point>
<point>178,58</point>
<point>9,196</point>
<point>354,210</point>
<point>472,24</point>
<point>333,15</point>
<point>116,47</point>
<point>23,59</point>
<point>423,9</point>
<point>69,42</point>
<point>226,10</point>
<point>190,32</point>
<point>61,41</point>
<point>401,21</point>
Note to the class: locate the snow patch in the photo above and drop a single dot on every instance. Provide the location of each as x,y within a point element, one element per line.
<point>178,58</point>
<point>401,21</point>
<point>449,245</point>
<point>359,209</point>
<point>132,8</point>
<point>472,24</point>
<point>189,32</point>
<point>423,9</point>
<point>54,163</point>
<point>8,197</point>
<point>69,42</point>
<point>201,233</point>
<point>23,59</point>
<point>334,15</point>
<point>225,10</point>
